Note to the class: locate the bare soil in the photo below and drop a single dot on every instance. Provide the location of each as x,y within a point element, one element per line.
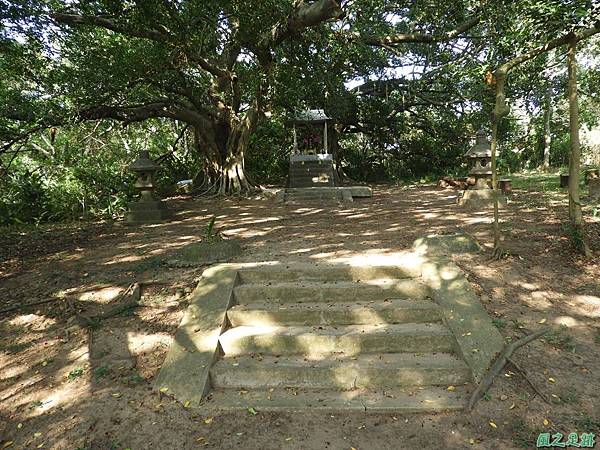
<point>65,387</point>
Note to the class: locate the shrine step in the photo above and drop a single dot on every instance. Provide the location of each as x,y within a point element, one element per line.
<point>350,340</point>
<point>416,400</point>
<point>304,272</point>
<point>343,291</point>
<point>326,313</point>
<point>387,371</point>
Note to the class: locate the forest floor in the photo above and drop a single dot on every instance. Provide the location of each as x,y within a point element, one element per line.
<point>64,387</point>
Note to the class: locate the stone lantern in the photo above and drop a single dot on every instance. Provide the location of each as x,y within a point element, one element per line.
<point>147,209</point>
<point>480,156</point>
<point>479,194</point>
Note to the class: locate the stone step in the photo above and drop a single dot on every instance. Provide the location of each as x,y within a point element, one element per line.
<point>416,400</point>
<point>309,192</point>
<point>349,340</point>
<point>311,164</point>
<point>404,267</point>
<point>386,371</point>
<point>310,195</point>
<point>321,313</point>
<point>304,177</point>
<point>343,291</point>
<point>310,183</point>
<point>316,198</point>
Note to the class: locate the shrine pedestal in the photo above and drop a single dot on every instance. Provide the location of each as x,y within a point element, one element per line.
<point>481,199</point>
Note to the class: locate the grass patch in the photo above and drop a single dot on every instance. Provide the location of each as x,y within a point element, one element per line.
<point>523,435</point>
<point>101,372</point>
<point>75,373</point>
<point>14,348</point>
<point>499,323</point>
<point>134,379</point>
<point>587,424</point>
<point>540,182</point>
<point>560,338</point>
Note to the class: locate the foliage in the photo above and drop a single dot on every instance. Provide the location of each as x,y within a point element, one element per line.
<point>205,84</point>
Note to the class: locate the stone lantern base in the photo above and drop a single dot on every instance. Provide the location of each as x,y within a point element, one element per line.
<point>147,212</point>
<point>481,199</point>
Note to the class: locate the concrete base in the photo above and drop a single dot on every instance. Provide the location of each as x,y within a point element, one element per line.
<point>340,194</point>
<point>147,212</point>
<point>446,244</point>
<point>208,252</point>
<point>481,199</point>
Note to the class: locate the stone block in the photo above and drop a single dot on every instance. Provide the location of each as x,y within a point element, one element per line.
<point>446,244</point>
<point>481,199</point>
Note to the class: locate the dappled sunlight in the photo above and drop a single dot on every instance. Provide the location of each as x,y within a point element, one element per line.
<point>139,343</point>
<point>586,305</point>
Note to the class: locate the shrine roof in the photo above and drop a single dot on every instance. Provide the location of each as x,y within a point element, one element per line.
<point>311,116</point>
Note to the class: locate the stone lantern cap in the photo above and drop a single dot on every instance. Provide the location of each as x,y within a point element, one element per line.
<point>482,148</point>
<point>143,163</point>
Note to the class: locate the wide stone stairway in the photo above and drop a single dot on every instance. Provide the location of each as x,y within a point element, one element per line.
<point>329,338</point>
<point>407,335</point>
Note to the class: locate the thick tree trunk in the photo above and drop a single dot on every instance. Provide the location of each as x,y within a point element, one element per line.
<point>547,130</point>
<point>575,215</point>
<point>224,148</point>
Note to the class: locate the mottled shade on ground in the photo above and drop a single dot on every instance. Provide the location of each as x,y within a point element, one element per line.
<point>69,388</point>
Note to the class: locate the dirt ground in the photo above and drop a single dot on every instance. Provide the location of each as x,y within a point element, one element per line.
<point>64,387</point>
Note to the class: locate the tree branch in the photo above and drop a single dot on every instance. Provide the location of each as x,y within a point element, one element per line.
<point>305,16</point>
<point>409,38</point>
<point>78,20</point>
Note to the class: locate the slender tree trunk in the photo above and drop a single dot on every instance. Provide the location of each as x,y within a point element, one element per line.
<point>575,214</point>
<point>547,130</point>
<point>500,110</point>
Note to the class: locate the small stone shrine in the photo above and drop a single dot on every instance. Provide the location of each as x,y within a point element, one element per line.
<point>312,172</point>
<point>147,209</point>
<point>311,164</point>
<point>479,194</point>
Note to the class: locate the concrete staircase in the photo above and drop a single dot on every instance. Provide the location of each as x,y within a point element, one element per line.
<point>330,338</point>
<point>308,174</point>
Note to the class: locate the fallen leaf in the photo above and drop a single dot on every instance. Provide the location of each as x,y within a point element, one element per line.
<point>243,392</point>
<point>41,445</point>
<point>8,444</point>
<point>493,425</point>
<point>165,389</point>
<point>288,439</point>
<point>19,426</point>
<point>472,441</point>
<point>187,404</point>
<point>451,388</point>
<point>200,439</point>
<point>208,420</point>
<point>551,380</point>
<point>512,406</point>
<point>252,411</point>
<point>546,422</point>
<point>542,321</point>
<point>116,395</point>
<point>37,435</point>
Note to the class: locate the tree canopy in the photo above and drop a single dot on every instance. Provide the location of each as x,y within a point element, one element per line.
<point>409,81</point>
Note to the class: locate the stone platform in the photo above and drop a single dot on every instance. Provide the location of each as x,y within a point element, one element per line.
<point>481,199</point>
<point>323,194</point>
<point>388,336</point>
<point>147,212</point>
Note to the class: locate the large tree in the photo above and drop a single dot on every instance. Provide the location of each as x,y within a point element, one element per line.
<point>215,65</point>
